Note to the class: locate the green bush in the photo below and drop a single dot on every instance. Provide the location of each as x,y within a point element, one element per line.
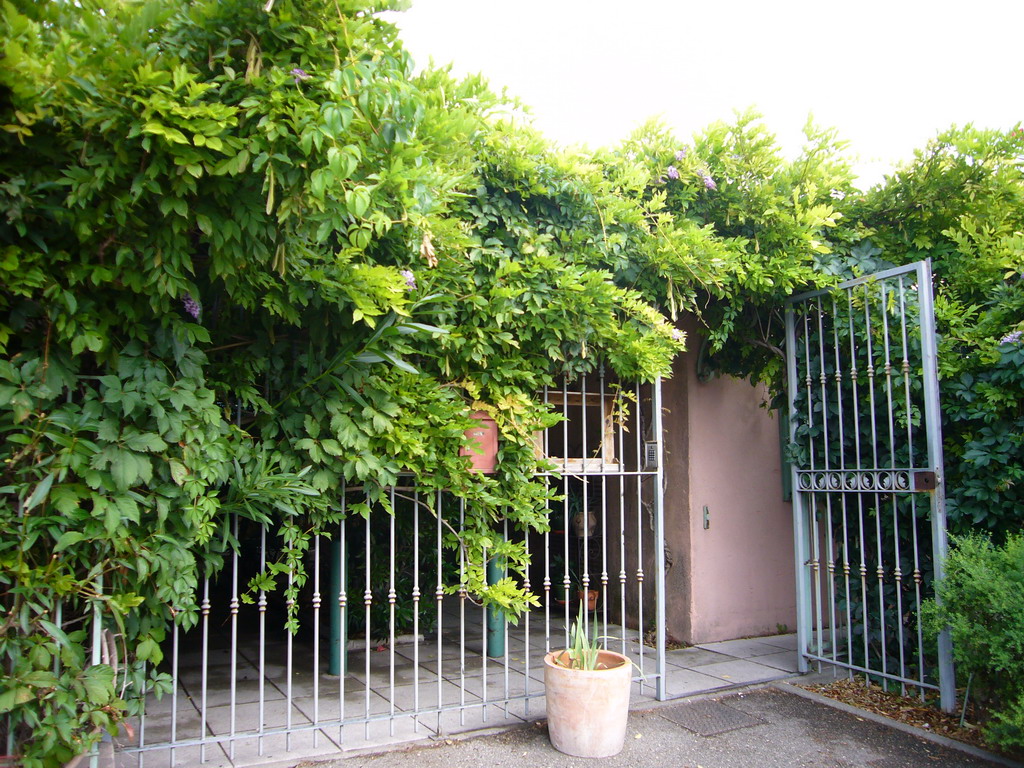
<point>960,203</point>
<point>981,599</point>
<point>247,264</point>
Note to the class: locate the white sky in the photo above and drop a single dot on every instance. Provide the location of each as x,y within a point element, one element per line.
<point>889,75</point>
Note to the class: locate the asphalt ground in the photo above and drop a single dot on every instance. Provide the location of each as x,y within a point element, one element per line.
<point>771,727</point>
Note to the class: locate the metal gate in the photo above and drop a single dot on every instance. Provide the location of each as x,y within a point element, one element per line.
<point>412,654</point>
<point>866,454</point>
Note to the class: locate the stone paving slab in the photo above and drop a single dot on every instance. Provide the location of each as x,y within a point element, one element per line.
<point>786,661</point>
<point>708,717</point>
<point>745,648</point>
<point>740,671</point>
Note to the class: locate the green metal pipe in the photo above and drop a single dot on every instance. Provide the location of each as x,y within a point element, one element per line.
<point>495,620</point>
<point>336,661</point>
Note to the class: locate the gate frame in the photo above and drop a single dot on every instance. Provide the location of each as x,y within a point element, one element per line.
<point>933,430</point>
<point>661,691</point>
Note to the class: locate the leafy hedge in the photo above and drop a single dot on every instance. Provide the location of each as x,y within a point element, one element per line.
<point>247,262</point>
<point>961,204</point>
<point>981,599</point>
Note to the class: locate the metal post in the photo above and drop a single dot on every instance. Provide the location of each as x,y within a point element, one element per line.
<point>933,416</point>
<point>803,587</point>
<point>204,610</point>
<point>97,657</point>
<point>416,607</point>
<point>261,603</point>
<point>659,547</point>
<point>339,631</point>
<point>317,600</point>
<point>234,606</point>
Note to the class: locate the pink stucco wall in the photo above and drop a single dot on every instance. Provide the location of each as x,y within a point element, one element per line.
<point>735,578</point>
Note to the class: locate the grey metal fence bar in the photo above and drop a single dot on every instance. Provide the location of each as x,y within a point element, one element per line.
<point>865,442</point>
<point>245,689</point>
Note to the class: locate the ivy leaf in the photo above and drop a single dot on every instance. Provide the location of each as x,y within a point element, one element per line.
<point>173,135</point>
<point>68,539</point>
<point>179,472</point>
<point>146,441</point>
<point>40,493</point>
<point>411,327</point>
<point>357,201</point>
<point>99,683</point>
<point>55,632</point>
<point>331,447</point>
<point>398,362</point>
<point>112,518</point>
<point>149,650</point>
<point>14,697</point>
<point>41,678</point>
<point>125,469</point>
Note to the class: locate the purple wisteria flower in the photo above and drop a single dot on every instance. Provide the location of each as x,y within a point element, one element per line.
<point>680,155</point>
<point>410,279</point>
<point>1013,337</point>
<point>300,75</point>
<point>709,183</point>
<point>677,335</point>
<point>672,172</point>
<point>191,305</point>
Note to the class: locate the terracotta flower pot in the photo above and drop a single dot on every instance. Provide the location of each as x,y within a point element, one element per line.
<point>587,709</point>
<point>482,443</point>
<point>589,596</point>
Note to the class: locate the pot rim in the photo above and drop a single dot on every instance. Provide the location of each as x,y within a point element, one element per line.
<point>549,661</point>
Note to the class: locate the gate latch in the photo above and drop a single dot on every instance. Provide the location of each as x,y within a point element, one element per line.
<point>924,481</point>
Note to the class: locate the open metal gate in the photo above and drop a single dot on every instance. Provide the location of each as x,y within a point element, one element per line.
<point>866,455</point>
<point>391,645</point>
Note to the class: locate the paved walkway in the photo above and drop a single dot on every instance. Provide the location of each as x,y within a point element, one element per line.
<point>714,666</point>
<point>732,707</point>
<point>770,727</point>
<point>387,697</point>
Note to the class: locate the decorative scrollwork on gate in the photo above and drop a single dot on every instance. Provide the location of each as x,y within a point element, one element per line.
<point>856,481</point>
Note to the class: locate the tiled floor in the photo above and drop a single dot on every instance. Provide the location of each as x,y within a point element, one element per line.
<point>712,666</point>
<point>377,698</point>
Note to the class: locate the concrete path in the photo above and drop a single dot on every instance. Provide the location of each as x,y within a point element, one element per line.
<point>770,727</point>
<point>369,690</point>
